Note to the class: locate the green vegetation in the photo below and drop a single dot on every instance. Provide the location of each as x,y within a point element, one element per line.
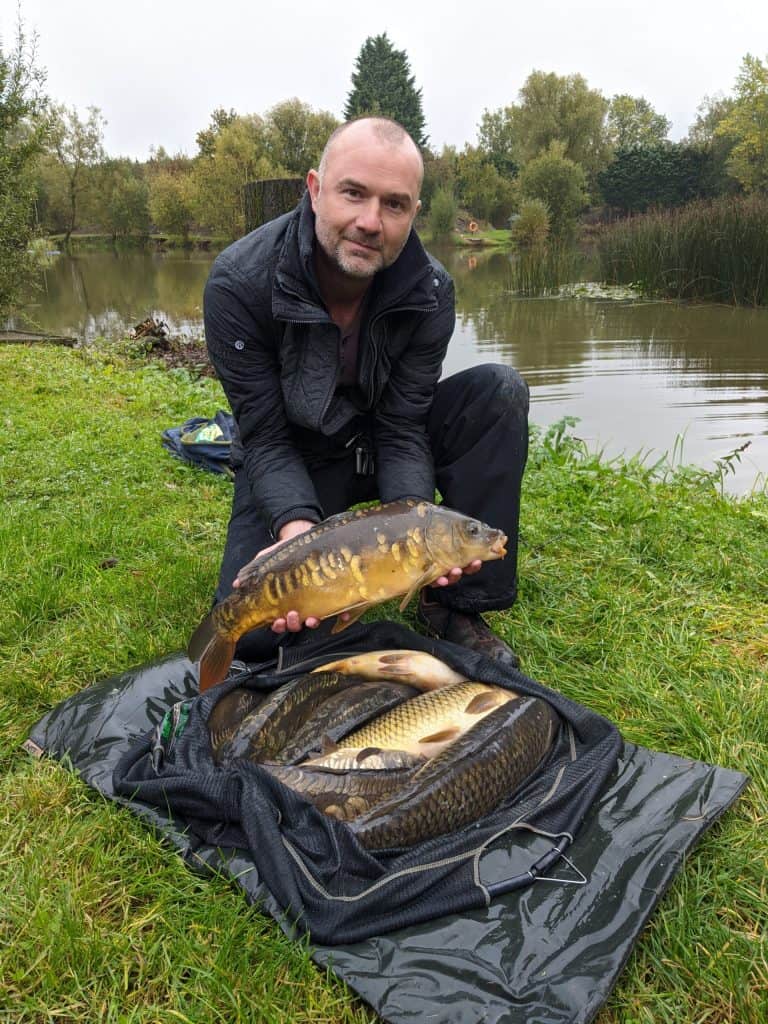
<point>632,122</point>
<point>560,184</point>
<point>660,175</point>
<point>544,269</point>
<point>382,83</point>
<point>442,214</point>
<point>643,595</point>
<point>746,125</point>
<point>531,228</point>
<point>22,131</point>
<point>716,251</point>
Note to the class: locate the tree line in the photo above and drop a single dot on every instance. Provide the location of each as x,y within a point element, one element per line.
<point>537,163</point>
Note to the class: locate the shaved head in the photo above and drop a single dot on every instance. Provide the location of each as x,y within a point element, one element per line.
<point>384,129</point>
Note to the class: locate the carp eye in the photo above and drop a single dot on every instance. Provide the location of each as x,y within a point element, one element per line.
<point>473,529</point>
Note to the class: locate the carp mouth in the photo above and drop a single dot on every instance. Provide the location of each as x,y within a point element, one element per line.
<point>498,546</point>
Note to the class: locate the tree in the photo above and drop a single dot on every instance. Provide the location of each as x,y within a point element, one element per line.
<point>22,132</point>
<point>439,173</point>
<point>667,174</point>
<point>77,145</point>
<point>560,184</point>
<point>552,108</point>
<point>496,138</point>
<point>442,213</point>
<point>239,155</point>
<point>747,124</point>
<point>383,84</point>
<point>531,227</point>
<point>632,122</point>
<point>481,188</point>
<point>124,198</point>
<point>715,146</point>
<point>295,135</point>
<point>170,203</point>
<point>206,138</point>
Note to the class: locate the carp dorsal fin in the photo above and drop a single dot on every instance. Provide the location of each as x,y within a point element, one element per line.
<point>431,573</point>
<point>327,746</point>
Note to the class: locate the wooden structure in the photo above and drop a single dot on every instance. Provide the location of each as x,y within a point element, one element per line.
<point>269,198</point>
<point>28,337</point>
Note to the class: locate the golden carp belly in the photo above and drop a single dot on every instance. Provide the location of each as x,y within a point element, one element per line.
<point>417,668</point>
<point>427,724</point>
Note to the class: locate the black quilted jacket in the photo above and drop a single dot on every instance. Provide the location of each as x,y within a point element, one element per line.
<point>276,352</point>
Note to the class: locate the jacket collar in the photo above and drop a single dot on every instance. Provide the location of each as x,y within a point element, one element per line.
<point>296,295</point>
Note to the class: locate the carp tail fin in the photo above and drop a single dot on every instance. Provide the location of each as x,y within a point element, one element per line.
<point>212,650</point>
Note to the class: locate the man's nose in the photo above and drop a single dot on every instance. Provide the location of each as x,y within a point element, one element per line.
<point>369,217</point>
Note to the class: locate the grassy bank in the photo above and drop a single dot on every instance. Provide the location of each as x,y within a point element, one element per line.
<point>712,251</point>
<point>644,600</point>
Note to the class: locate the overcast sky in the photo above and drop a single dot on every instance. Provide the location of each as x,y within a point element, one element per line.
<point>157,68</point>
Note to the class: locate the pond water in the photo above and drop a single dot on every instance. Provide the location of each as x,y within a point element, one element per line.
<point>650,377</point>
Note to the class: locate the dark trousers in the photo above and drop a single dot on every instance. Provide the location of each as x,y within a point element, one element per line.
<point>478,431</point>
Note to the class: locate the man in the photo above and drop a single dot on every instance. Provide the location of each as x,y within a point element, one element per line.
<point>328,328</point>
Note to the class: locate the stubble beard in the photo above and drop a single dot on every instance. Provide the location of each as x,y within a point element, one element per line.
<point>361,267</point>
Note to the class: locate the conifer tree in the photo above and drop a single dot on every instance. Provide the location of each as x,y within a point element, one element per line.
<point>382,84</point>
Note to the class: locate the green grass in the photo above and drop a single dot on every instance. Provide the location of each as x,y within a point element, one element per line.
<point>643,595</point>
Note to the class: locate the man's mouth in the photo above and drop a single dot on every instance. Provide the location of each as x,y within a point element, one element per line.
<point>367,246</point>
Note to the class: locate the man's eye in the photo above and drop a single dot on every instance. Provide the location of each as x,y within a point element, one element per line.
<point>395,204</point>
<point>353,193</point>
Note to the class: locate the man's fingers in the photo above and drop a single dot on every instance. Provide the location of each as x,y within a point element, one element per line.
<point>292,623</point>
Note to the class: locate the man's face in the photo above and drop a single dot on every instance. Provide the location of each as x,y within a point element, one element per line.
<point>367,200</point>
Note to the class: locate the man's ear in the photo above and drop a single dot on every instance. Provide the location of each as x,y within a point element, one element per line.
<point>313,186</point>
<point>418,205</point>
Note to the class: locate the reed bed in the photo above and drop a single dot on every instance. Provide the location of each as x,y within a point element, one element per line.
<point>541,271</point>
<point>715,251</point>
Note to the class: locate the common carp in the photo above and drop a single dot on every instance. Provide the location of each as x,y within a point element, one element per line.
<point>467,781</point>
<point>341,714</point>
<point>416,668</point>
<point>228,714</point>
<point>367,759</point>
<point>263,732</point>
<point>348,563</point>
<point>341,794</point>
<point>427,724</point>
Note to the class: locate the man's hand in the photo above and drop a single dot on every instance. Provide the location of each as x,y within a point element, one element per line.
<point>291,623</point>
<point>455,574</point>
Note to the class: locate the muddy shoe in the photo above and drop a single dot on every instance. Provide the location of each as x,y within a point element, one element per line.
<point>466,628</point>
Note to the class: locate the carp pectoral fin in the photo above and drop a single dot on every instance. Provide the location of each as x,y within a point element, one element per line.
<point>354,614</point>
<point>426,578</point>
<point>444,736</point>
<point>484,702</point>
<point>367,752</point>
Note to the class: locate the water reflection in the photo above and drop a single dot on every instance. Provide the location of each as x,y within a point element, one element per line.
<point>105,294</point>
<point>637,375</point>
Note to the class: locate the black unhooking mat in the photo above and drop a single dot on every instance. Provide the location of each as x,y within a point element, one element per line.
<point>528,916</point>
